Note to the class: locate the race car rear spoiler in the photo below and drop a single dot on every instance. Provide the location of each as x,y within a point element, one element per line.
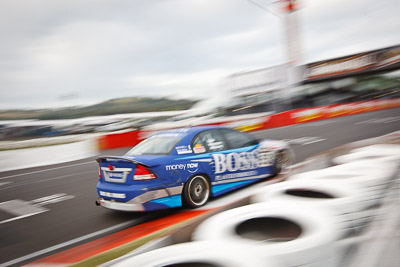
<point>99,159</point>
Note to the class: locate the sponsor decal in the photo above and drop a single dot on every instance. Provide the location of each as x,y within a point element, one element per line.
<point>183,150</point>
<point>340,66</point>
<point>116,175</point>
<point>167,134</point>
<point>114,195</point>
<point>180,130</point>
<point>215,145</point>
<point>265,159</point>
<point>199,149</point>
<point>173,132</point>
<point>190,167</point>
<point>235,175</point>
<point>243,161</point>
<point>175,167</point>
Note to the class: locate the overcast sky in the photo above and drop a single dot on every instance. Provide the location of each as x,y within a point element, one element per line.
<point>73,52</point>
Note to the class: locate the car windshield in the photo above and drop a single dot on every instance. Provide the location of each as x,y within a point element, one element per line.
<point>155,145</point>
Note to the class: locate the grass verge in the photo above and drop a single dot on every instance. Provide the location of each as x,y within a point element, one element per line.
<point>129,247</point>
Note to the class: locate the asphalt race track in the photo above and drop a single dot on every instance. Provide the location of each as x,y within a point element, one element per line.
<point>47,209</point>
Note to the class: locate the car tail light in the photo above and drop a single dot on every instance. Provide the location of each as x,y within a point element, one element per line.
<point>100,172</point>
<point>142,173</point>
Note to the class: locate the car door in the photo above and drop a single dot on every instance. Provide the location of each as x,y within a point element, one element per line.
<point>261,159</point>
<point>205,145</point>
<point>233,158</point>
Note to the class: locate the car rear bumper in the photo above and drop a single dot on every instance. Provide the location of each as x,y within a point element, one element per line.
<point>122,206</point>
<point>120,197</point>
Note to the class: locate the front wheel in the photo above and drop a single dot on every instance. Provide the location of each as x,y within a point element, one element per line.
<point>283,162</point>
<point>196,192</point>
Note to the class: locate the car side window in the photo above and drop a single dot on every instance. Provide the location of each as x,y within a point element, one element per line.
<point>209,141</point>
<point>237,139</point>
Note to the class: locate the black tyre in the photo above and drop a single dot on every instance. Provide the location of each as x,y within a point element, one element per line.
<point>283,162</point>
<point>196,192</point>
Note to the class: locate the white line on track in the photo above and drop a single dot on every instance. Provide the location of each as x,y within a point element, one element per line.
<point>367,121</point>
<point>68,243</point>
<point>44,199</point>
<point>380,120</point>
<point>52,199</point>
<point>22,216</point>
<point>393,120</point>
<point>304,140</point>
<point>41,181</point>
<point>314,141</point>
<point>22,209</point>
<point>51,169</point>
<point>314,124</point>
<point>55,200</point>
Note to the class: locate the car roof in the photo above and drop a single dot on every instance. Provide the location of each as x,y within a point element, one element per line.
<point>192,130</point>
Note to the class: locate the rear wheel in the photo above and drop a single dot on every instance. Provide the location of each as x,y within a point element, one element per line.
<point>196,192</point>
<point>283,162</point>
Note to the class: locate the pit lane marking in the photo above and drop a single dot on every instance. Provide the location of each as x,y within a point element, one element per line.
<point>21,209</point>
<point>52,199</point>
<point>304,140</point>
<point>41,181</point>
<point>380,120</point>
<point>315,124</point>
<point>50,169</point>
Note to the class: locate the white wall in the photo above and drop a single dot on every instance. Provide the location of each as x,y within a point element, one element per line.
<point>42,156</point>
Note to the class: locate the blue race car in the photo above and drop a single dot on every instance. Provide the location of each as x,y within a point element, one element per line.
<point>187,166</point>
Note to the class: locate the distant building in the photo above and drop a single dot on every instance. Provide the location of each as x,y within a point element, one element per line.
<point>363,76</point>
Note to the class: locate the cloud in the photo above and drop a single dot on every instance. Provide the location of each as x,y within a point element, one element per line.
<point>96,50</point>
<point>338,28</point>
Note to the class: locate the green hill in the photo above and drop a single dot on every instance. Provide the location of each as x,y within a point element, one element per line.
<point>110,107</point>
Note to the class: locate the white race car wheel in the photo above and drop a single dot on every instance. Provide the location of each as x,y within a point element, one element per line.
<point>283,161</point>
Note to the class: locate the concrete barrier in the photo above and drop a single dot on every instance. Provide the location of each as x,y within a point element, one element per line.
<point>47,155</point>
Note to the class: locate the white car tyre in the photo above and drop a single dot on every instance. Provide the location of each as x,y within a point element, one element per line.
<point>362,172</point>
<point>386,152</point>
<point>373,187</point>
<point>202,253</point>
<point>343,201</point>
<point>295,235</point>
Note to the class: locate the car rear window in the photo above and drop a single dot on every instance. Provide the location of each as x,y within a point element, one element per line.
<point>155,145</point>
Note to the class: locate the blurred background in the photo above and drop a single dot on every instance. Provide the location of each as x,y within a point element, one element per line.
<point>80,78</point>
<point>64,61</point>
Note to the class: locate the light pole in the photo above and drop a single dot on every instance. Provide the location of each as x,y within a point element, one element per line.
<point>288,13</point>
<point>293,47</point>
